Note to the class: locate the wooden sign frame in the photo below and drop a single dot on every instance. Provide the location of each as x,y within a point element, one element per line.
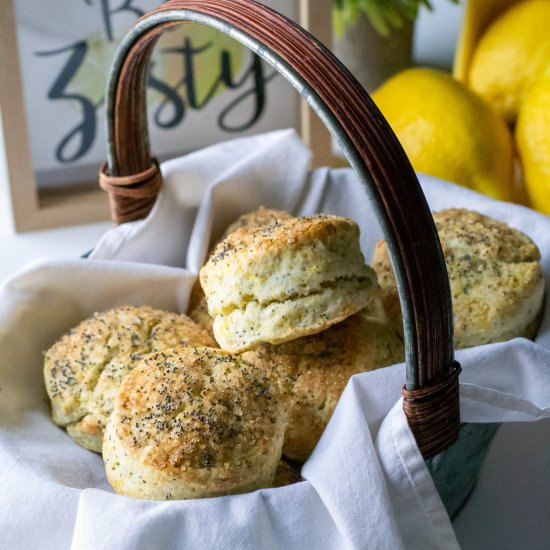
<point>35,207</point>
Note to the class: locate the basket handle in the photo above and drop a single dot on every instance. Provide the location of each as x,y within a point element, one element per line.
<point>431,392</point>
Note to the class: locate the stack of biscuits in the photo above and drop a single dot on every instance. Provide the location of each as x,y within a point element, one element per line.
<point>235,396</point>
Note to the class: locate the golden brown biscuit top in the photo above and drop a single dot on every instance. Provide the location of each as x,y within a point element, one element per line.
<point>278,236</point>
<point>257,218</point>
<point>461,230</point>
<point>104,348</point>
<point>198,408</point>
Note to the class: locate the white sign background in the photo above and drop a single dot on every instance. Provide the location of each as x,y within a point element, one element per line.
<point>205,87</point>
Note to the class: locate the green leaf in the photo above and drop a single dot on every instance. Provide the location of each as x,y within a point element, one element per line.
<point>383,15</point>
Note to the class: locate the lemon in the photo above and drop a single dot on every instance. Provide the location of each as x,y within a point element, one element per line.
<point>510,55</point>
<point>448,131</point>
<point>533,140</point>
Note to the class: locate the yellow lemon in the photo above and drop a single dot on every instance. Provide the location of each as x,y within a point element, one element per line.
<point>510,55</point>
<point>533,140</point>
<point>448,131</point>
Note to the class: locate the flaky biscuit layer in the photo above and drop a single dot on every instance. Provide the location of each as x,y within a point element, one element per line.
<point>278,322</point>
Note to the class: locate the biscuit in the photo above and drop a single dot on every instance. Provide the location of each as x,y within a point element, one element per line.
<point>496,280</point>
<point>287,473</point>
<point>193,423</point>
<point>289,279</point>
<point>313,371</point>
<point>84,369</point>
<point>198,308</point>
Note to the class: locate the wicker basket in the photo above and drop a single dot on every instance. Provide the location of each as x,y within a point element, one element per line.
<point>132,178</point>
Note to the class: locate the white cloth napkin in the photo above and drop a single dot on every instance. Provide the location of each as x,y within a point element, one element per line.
<point>366,485</point>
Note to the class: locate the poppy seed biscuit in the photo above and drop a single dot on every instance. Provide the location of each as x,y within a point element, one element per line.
<point>497,283</point>
<point>83,370</point>
<point>193,423</point>
<point>289,279</point>
<point>198,308</point>
<point>313,371</point>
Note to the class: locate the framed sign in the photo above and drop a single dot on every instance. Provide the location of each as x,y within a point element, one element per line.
<point>203,88</point>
